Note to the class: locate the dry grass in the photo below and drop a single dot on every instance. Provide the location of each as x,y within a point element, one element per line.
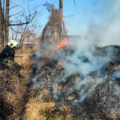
<point>26,61</point>
<point>13,90</point>
<point>35,110</point>
<point>39,110</point>
<point>25,58</point>
<point>27,49</point>
<point>12,95</point>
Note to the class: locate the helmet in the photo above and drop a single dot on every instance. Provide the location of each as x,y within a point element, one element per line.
<point>12,43</point>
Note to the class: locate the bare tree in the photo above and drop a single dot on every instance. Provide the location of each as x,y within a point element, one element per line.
<point>6,22</point>
<point>23,32</point>
<point>55,24</point>
<point>27,35</point>
<point>1,26</point>
<point>55,27</point>
<point>61,16</point>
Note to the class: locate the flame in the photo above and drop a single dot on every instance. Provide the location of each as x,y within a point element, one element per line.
<point>62,44</point>
<point>60,64</point>
<point>58,87</point>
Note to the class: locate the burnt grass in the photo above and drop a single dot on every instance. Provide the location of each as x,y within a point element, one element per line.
<point>103,102</point>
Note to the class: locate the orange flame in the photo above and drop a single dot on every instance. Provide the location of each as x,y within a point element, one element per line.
<point>58,87</point>
<point>62,44</point>
<point>60,64</point>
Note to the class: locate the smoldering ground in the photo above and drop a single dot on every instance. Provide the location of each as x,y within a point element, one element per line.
<point>89,68</point>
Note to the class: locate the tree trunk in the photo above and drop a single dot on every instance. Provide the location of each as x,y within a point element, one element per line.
<point>61,6</point>
<point>7,21</point>
<point>1,27</point>
<point>61,17</point>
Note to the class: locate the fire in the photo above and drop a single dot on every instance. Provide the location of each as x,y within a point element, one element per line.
<point>58,87</point>
<point>60,64</point>
<point>62,44</point>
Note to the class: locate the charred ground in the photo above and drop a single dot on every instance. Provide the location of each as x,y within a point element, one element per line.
<point>95,95</point>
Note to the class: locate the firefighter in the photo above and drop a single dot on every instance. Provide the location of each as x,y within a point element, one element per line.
<point>8,52</point>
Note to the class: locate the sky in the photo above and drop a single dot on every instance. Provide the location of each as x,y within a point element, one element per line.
<point>84,17</point>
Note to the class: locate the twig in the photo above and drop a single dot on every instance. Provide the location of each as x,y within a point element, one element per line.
<point>68,16</point>
<point>14,6</point>
<point>14,30</point>
<point>15,14</point>
<point>74,2</point>
<point>24,23</point>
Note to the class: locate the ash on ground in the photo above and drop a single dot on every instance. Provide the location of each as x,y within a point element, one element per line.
<point>95,95</point>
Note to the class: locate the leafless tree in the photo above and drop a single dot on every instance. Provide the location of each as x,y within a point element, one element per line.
<point>27,35</point>
<point>6,19</point>
<point>55,28</point>
<point>34,27</point>
<point>1,26</point>
<point>55,25</point>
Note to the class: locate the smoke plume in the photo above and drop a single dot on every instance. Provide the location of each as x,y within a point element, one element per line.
<point>104,29</point>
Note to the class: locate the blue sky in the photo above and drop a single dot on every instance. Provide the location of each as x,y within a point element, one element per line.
<point>86,13</point>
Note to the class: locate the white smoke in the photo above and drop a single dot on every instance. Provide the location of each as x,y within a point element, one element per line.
<point>116,73</point>
<point>83,51</point>
<point>83,61</point>
<point>104,26</point>
<point>76,64</point>
<point>106,30</point>
<point>84,93</point>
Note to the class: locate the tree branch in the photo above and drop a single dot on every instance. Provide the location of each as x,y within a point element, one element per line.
<point>15,14</point>
<point>13,7</point>
<point>74,2</point>
<point>14,30</point>
<point>27,22</point>
<point>68,16</point>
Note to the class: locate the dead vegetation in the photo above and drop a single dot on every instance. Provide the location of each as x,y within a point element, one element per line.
<point>12,95</point>
<point>14,92</point>
<point>18,101</point>
<point>54,31</point>
<point>38,109</point>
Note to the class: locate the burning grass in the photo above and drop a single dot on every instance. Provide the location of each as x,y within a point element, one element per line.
<point>89,96</point>
<point>14,93</point>
<point>63,43</point>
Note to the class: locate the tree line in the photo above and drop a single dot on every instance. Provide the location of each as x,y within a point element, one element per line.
<point>7,22</point>
<point>21,22</point>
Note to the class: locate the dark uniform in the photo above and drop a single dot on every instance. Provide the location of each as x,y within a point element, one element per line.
<point>7,53</point>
